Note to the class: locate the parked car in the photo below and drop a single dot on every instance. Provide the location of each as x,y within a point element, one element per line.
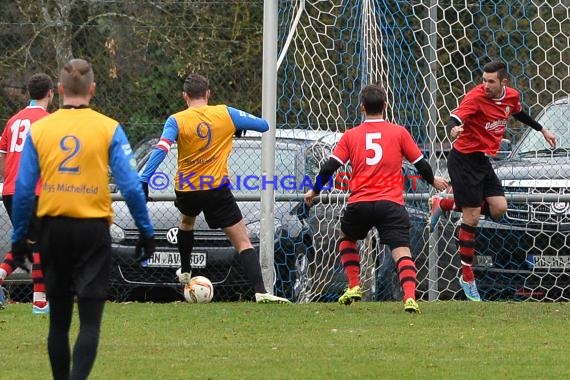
<point>213,256</point>
<point>526,254</point>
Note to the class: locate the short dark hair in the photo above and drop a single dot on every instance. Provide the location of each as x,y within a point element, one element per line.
<point>496,66</point>
<point>196,86</point>
<point>39,85</point>
<point>373,99</point>
<point>76,77</point>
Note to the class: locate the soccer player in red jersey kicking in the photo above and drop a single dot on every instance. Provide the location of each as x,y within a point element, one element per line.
<point>478,126</point>
<point>376,149</point>
<point>40,89</point>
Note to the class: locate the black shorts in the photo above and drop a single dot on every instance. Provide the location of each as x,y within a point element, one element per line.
<point>472,178</point>
<point>34,226</point>
<point>218,205</point>
<point>390,219</point>
<point>76,257</point>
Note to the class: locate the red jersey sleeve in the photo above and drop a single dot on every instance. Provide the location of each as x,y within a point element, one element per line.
<point>341,152</point>
<point>4,140</point>
<point>410,148</point>
<point>468,107</point>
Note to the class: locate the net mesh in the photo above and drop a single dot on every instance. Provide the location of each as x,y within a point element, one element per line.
<point>427,55</point>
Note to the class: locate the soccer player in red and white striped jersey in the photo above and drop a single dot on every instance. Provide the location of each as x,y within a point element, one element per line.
<point>478,125</point>
<point>40,89</point>
<point>376,150</point>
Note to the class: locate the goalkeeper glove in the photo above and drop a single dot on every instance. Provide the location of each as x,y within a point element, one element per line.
<point>21,251</point>
<point>145,190</point>
<point>239,132</point>
<point>145,248</point>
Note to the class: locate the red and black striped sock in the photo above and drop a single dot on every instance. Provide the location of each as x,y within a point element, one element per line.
<point>6,267</point>
<point>467,250</point>
<point>407,273</point>
<point>350,259</point>
<point>38,280</point>
<point>447,204</point>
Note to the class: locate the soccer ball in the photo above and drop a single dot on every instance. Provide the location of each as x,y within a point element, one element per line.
<point>199,290</point>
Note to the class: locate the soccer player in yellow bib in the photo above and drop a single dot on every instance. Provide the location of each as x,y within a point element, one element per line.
<point>73,149</point>
<point>204,135</point>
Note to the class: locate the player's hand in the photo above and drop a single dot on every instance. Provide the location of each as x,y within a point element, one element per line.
<point>549,137</point>
<point>145,248</point>
<point>455,132</point>
<point>145,190</point>
<point>309,197</point>
<point>21,251</point>
<point>440,183</point>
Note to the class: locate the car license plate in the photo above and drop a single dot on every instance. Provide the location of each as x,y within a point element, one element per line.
<point>550,262</point>
<point>172,259</point>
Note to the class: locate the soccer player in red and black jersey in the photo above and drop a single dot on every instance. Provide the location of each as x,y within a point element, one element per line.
<point>40,89</point>
<point>478,126</point>
<point>376,149</point>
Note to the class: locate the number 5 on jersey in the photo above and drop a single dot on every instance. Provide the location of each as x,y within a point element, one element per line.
<point>373,145</point>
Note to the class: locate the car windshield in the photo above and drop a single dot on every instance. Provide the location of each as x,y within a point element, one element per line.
<point>245,168</point>
<point>556,118</point>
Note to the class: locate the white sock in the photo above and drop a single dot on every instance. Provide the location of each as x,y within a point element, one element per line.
<point>39,296</point>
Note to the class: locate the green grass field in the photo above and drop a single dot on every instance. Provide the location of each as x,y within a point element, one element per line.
<point>449,340</point>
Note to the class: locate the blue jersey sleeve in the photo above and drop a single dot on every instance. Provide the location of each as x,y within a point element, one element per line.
<point>170,130</point>
<point>169,133</point>
<point>243,121</point>
<point>25,192</point>
<point>123,167</point>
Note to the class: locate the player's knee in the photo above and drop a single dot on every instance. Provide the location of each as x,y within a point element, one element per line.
<point>498,210</point>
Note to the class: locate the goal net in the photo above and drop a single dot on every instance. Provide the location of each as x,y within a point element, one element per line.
<point>427,54</point>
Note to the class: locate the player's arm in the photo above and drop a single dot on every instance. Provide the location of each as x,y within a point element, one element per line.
<point>160,150</point>
<point>25,192</point>
<point>123,167</point>
<point>245,121</point>
<point>424,169</point>
<point>325,174</point>
<point>525,118</point>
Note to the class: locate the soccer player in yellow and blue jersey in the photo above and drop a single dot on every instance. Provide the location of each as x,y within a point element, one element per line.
<point>204,135</point>
<point>72,150</point>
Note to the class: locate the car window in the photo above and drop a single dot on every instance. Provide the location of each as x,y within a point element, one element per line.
<point>556,118</point>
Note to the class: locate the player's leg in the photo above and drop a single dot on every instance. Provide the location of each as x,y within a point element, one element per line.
<point>7,265</point>
<point>39,301</point>
<point>185,244</point>
<point>61,312</point>
<point>466,242</point>
<point>91,243</point>
<point>469,174</point>
<point>440,205</point>
<point>189,204</point>
<point>85,348</point>
<point>393,224</point>
<point>57,268</point>
<point>221,211</point>
<point>495,203</point>
<point>354,225</point>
